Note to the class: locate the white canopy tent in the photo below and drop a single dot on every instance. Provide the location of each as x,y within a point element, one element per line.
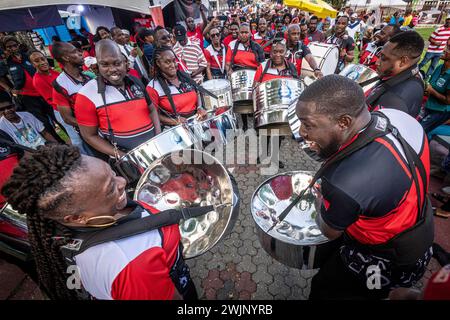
<point>141,6</point>
<point>377,3</point>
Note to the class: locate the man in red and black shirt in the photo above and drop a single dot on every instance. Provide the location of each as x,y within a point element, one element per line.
<point>263,36</point>
<point>243,53</point>
<point>370,201</point>
<point>345,43</point>
<point>371,51</point>
<point>297,50</point>
<point>112,111</point>
<point>215,56</point>
<point>234,34</point>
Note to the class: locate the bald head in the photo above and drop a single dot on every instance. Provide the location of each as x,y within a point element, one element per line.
<point>112,64</point>
<point>107,46</point>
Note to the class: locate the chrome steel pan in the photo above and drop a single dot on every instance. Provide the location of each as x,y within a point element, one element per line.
<point>271,101</point>
<point>222,89</point>
<point>132,165</point>
<point>220,127</point>
<point>188,178</point>
<point>242,89</point>
<point>298,233</point>
<point>360,73</point>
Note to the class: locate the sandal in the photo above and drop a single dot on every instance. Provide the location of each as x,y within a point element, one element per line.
<point>439,197</point>
<point>441,213</point>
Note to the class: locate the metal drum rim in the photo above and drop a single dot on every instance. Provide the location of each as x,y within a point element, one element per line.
<point>148,141</point>
<point>269,234</point>
<point>158,161</point>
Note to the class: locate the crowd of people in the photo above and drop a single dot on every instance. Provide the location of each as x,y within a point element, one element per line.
<point>116,89</point>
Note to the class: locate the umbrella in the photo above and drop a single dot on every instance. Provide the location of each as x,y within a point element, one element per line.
<point>318,7</point>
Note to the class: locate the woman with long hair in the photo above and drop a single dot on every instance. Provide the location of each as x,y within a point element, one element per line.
<point>172,90</point>
<point>85,235</point>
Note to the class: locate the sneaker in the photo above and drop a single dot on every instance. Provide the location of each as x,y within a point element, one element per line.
<point>446,190</point>
<point>442,213</point>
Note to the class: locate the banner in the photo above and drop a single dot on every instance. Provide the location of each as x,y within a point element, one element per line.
<point>30,18</point>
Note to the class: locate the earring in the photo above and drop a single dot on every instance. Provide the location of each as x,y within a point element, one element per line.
<point>102,223</point>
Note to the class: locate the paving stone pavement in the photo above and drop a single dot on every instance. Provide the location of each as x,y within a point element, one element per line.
<point>238,267</point>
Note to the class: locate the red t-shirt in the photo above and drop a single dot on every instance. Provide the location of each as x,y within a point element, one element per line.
<point>196,36</point>
<point>226,42</point>
<point>271,73</point>
<point>7,166</point>
<point>244,56</point>
<point>43,84</point>
<point>127,111</point>
<point>215,58</point>
<point>185,99</point>
<point>370,56</point>
<point>133,268</point>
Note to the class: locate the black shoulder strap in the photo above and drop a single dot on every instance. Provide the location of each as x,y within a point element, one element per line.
<point>233,55</point>
<point>186,77</point>
<point>168,94</point>
<point>135,227</point>
<point>101,88</point>
<point>292,69</point>
<point>60,89</point>
<point>266,68</point>
<point>137,82</point>
<point>378,127</point>
<point>386,85</point>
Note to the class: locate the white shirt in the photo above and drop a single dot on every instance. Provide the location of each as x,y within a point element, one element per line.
<point>26,132</point>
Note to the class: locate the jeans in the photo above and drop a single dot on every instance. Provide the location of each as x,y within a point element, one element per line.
<point>73,135</point>
<point>434,57</point>
<point>434,119</point>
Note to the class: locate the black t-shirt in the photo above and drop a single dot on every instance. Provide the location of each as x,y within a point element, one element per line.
<point>406,96</point>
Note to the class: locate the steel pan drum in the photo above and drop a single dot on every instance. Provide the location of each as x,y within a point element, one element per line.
<point>173,184</point>
<point>220,127</point>
<point>298,233</point>
<point>222,89</point>
<point>242,89</point>
<point>271,102</point>
<point>132,165</point>
<point>326,56</point>
<point>360,73</point>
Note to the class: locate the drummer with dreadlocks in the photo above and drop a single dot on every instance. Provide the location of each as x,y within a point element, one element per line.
<point>243,53</point>
<point>172,91</point>
<point>87,239</point>
<point>297,50</point>
<point>113,111</point>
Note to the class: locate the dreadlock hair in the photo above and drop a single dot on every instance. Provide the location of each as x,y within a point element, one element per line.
<point>40,188</point>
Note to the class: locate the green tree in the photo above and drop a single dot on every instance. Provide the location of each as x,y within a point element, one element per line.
<point>337,4</point>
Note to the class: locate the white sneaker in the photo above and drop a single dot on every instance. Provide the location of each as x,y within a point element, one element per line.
<point>446,190</point>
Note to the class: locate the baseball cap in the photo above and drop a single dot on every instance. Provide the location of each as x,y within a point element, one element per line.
<point>180,32</point>
<point>89,61</point>
<point>355,15</point>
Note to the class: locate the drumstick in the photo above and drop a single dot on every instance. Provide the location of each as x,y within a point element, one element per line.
<point>292,204</point>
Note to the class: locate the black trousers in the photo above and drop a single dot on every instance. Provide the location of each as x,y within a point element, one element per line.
<point>39,108</point>
<point>335,281</point>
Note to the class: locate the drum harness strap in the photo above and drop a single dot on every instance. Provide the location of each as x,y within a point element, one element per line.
<point>378,127</point>
<point>289,66</point>
<point>256,49</point>
<point>384,86</point>
<point>128,226</point>
<point>183,76</point>
<point>101,85</point>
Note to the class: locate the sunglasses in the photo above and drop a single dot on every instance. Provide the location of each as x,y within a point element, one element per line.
<point>8,107</point>
<point>215,35</point>
<point>166,37</point>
